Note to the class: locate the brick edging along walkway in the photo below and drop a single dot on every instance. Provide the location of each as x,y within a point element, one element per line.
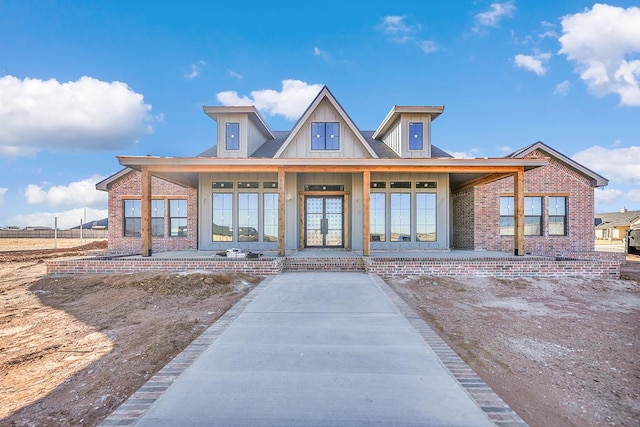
<point>134,408</point>
<point>491,404</point>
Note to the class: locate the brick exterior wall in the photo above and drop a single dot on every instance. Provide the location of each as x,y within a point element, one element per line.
<point>463,219</point>
<point>129,186</point>
<point>556,178</point>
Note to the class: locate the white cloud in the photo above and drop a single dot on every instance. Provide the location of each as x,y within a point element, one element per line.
<point>290,102</point>
<point>395,25</point>
<point>505,149</point>
<point>66,219</point>
<point>235,75</point>
<point>619,165</point>
<point>604,198</point>
<point>604,44</point>
<point>428,46</point>
<point>493,16</point>
<point>562,88</point>
<point>3,191</point>
<point>79,193</point>
<point>195,69</point>
<point>86,114</point>
<point>533,63</point>
<point>321,53</point>
<point>470,154</point>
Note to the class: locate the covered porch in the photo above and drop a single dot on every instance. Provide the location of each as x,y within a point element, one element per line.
<point>461,174</point>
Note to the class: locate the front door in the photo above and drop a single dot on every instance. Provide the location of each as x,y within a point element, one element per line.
<point>323,221</point>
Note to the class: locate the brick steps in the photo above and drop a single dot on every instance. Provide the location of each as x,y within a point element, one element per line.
<point>324,264</point>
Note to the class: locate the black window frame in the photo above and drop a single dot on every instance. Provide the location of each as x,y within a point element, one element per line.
<point>179,219</point>
<point>565,227</point>
<point>232,139</point>
<point>416,136</point>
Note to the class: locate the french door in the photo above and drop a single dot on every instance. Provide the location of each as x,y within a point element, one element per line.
<point>324,220</point>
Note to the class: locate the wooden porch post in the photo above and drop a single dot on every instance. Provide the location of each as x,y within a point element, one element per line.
<point>145,212</point>
<point>366,223</point>
<point>281,212</point>
<point>518,196</point>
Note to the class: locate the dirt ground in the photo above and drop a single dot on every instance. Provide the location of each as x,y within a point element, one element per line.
<point>72,349</point>
<point>560,352</point>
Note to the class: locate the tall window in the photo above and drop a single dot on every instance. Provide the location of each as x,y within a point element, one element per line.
<point>178,218</point>
<point>378,217</point>
<point>222,214</point>
<point>157,218</point>
<point>415,136</point>
<point>400,217</point>
<point>248,217</point>
<point>270,220</point>
<point>532,216</point>
<point>557,216</point>
<point>325,136</point>
<point>132,218</point>
<point>232,135</point>
<point>426,217</point>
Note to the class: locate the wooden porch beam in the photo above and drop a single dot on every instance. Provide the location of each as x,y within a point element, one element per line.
<point>518,196</point>
<point>282,209</point>
<point>145,212</point>
<point>366,203</point>
<point>480,181</point>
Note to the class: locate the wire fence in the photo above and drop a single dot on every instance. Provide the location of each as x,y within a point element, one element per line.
<point>50,234</point>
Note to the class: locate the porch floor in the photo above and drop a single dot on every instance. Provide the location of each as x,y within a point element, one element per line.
<point>343,253</point>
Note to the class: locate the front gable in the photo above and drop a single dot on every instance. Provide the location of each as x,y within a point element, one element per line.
<point>335,134</point>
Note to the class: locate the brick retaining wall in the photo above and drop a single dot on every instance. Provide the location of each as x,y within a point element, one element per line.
<point>258,267</point>
<point>495,267</point>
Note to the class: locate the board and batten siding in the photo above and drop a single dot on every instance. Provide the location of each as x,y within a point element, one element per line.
<point>397,138</point>
<point>222,140</point>
<point>350,146</point>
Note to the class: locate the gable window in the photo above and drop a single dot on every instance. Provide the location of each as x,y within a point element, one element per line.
<point>132,218</point>
<point>325,136</point>
<point>557,216</point>
<point>178,218</point>
<point>232,136</point>
<point>415,136</point>
<point>532,216</point>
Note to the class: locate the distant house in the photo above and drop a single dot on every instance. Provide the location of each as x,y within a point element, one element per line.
<point>102,224</point>
<point>614,225</point>
<point>325,183</point>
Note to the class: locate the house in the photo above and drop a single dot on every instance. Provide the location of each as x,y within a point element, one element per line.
<point>614,225</point>
<point>328,184</point>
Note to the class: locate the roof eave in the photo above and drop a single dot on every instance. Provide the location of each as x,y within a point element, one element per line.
<point>397,110</point>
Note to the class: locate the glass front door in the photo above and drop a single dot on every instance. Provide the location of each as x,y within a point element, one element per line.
<point>324,221</point>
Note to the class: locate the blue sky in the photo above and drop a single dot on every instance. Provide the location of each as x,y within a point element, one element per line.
<point>84,81</point>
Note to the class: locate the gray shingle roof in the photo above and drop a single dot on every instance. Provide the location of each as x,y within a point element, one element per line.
<point>616,219</point>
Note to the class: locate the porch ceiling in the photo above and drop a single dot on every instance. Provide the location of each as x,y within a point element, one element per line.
<point>464,172</point>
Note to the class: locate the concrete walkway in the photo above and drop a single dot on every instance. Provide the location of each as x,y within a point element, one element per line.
<point>320,349</point>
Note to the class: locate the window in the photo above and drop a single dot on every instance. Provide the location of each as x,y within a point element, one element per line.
<point>270,212</point>
<point>132,218</point>
<point>400,217</point>
<point>232,136</point>
<point>426,217</point>
<point>248,217</point>
<point>378,217</point>
<point>557,216</point>
<point>177,218</point>
<point>157,218</point>
<point>532,216</point>
<point>325,136</point>
<point>222,207</point>
<point>415,136</point>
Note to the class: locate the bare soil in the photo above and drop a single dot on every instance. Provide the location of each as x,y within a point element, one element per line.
<point>560,352</point>
<point>72,349</point>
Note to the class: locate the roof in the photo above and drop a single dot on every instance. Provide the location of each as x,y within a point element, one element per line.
<point>617,219</point>
<point>397,110</point>
<point>252,112</point>
<point>596,179</point>
<point>106,183</point>
<point>325,93</point>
